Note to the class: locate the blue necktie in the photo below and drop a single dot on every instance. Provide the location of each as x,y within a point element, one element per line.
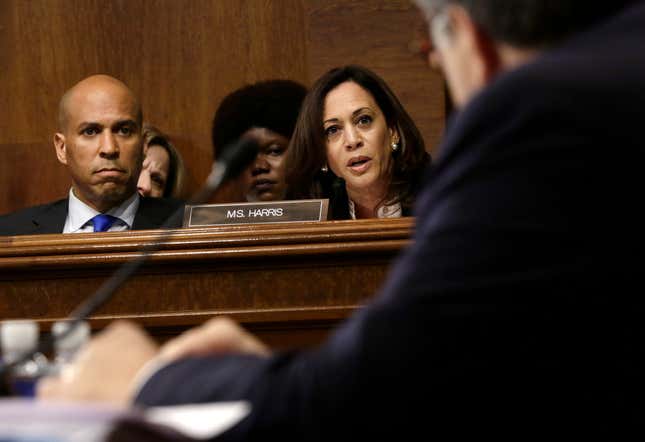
<point>103,222</point>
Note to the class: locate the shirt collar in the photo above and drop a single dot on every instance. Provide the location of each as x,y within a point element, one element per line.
<point>384,211</point>
<point>80,213</point>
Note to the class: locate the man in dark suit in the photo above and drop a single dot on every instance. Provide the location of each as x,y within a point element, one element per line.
<point>100,143</point>
<point>517,311</point>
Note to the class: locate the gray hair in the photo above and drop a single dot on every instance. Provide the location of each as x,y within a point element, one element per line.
<point>430,7</point>
<point>530,23</point>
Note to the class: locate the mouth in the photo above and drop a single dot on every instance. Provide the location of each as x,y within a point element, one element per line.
<point>359,164</point>
<point>110,172</point>
<point>263,184</point>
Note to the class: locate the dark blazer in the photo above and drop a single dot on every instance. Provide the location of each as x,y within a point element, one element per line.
<point>50,218</point>
<point>518,309</point>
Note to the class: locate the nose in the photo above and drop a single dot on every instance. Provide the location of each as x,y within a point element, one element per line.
<point>109,146</point>
<point>353,138</point>
<point>261,165</point>
<point>144,185</point>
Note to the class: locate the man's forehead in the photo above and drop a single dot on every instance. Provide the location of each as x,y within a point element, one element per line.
<point>101,106</point>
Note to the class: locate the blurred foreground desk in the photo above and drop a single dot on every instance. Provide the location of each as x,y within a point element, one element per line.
<point>289,283</point>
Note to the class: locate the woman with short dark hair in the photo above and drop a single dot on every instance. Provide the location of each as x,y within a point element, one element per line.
<point>266,111</point>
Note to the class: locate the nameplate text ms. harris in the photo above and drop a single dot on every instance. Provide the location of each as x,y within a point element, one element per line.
<point>253,213</point>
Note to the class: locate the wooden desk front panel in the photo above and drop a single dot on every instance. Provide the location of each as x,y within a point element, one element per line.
<point>290,283</point>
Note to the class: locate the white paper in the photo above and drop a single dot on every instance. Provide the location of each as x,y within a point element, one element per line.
<point>35,421</point>
<point>199,421</point>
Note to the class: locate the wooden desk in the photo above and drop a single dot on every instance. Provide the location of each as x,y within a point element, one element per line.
<point>289,283</point>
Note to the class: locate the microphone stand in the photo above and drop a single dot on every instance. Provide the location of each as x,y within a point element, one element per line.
<point>234,159</point>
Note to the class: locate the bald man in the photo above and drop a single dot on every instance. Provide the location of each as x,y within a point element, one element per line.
<point>100,143</point>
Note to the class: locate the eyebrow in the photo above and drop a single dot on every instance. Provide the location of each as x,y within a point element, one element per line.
<point>88,123</point>
<point>272,140</point>
<point>116,124</point>
<point>124,122</point>
<point>272,144</point>
<point>356,112</point>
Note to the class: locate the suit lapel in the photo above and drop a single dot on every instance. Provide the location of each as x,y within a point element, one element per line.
<point>51,219</point>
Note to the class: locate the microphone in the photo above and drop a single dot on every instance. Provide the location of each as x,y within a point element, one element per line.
<point>234,159</point>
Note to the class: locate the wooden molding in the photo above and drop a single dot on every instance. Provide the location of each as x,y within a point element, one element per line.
<point>283,281</point>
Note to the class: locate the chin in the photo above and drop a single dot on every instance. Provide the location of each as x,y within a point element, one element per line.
<point>255,198</point>
<point>115,193</point>
<point>364,182</point>
<point>267,196</point>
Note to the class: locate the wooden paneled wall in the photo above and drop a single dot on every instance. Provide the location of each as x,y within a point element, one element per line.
<point>182,57</point>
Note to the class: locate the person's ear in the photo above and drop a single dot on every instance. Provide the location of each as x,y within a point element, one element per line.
<point>395,139</point>
<point>482,48</point>
<point>61,147</point>
<point>394,135</point>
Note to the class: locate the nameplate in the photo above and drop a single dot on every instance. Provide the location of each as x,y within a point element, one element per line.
<point>253,213</point>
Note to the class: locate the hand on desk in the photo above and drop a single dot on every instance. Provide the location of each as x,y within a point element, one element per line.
<point>216,336</point>
<point>106,369</point>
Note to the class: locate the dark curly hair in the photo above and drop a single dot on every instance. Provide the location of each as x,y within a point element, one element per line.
<point>271,104</point>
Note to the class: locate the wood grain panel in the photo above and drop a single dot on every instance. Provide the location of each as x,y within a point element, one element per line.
<point>29,171</point>
<point>290,283</point>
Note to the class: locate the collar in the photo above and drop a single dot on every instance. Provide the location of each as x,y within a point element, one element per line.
<point>384,211</point>
<point>79,214</point>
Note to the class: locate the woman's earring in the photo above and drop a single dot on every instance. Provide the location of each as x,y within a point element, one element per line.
<point>395,146</point>
<point>324,168</point>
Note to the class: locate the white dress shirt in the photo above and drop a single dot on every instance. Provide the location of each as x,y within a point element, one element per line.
<point>79,215</point>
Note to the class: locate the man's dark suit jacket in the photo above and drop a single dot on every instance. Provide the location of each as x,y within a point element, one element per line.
<point>50,218</point>
<point>517,311</point>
